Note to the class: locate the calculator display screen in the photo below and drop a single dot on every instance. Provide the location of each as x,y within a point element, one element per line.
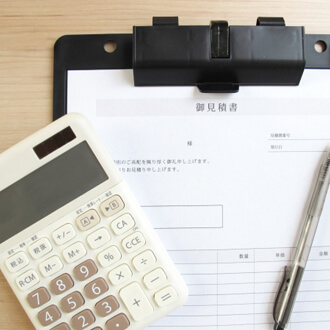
<point>48,188</point>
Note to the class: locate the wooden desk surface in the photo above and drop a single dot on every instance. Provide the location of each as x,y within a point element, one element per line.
<point>29,28</point>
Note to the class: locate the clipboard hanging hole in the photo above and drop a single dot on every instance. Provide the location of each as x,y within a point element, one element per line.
<point>110,46</point>
<point>320,46</point>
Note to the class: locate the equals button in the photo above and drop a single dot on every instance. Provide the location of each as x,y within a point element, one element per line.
<point>166,296</point>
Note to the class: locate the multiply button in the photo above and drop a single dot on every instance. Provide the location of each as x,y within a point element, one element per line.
<point>111,206</point>
<point>136,301</point>
<point>120,274</point>
<point>133,242</point>
<point>88,220</point>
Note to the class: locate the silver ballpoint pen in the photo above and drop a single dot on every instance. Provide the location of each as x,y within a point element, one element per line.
<point>292,277</point>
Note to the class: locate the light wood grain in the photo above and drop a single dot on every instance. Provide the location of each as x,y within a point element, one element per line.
<point>29,28</point>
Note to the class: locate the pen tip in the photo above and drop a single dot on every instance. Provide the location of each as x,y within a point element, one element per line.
<point>278,327</point>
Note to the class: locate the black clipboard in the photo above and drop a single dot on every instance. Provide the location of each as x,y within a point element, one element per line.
<point>86,52</point>
<point>191,60</point>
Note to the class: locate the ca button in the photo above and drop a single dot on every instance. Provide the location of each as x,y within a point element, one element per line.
<point>122,224</point>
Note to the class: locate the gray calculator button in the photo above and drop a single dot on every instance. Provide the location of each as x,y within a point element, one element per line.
<point>38,297</point>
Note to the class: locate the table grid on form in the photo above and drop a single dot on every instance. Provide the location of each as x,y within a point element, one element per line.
<point>235,289</point>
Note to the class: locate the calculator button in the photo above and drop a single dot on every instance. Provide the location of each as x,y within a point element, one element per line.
<point>62,326</point>
<point>112,206</point>
<point>85,270</point>
<point>38,297</point>
<point>88,220</point>
<point>83,320</point>
<point>64,234</point>
<point>27,280</point>
<point>49,315</point>
<point>61,284</point>
<point>133,242</point>
<point>109,256</point>
<point>120,274</point>
<point>144,260</point>
<point>122,224</point>
<point>165,296</point>
<point>136,301</point>
<point>17,262</point>
<point>119,322</point>
<point>96,288</point>
<point>107,306</point>
<point>50,266</point>
<point>98,238</point>
<point>40,248</point>
<point>71,302</point>
<point>74,252</point>
<point>155,278</point>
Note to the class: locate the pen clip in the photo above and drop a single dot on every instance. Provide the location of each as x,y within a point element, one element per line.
<point>283,287</point>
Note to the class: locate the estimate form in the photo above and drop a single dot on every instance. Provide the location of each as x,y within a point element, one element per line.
<point>224,179</point>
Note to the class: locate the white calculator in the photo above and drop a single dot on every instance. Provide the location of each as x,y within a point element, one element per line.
<point>75,246</point>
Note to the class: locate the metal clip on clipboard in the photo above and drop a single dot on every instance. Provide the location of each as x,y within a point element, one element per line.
<point>219,58</point>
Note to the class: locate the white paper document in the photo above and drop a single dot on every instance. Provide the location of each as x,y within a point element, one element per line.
<point>224,180</point>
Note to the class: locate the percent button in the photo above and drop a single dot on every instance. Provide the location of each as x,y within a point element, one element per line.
<point>109,256</point>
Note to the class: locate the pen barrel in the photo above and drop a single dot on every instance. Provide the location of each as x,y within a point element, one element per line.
<point>293,275</point>
<point>288,296</point>
<point>305,242</point>
<point>313,215</point>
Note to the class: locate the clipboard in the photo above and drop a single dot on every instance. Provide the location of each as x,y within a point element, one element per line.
<point>233,275</point>
<point>86,52</point>
<point>198,55</point>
